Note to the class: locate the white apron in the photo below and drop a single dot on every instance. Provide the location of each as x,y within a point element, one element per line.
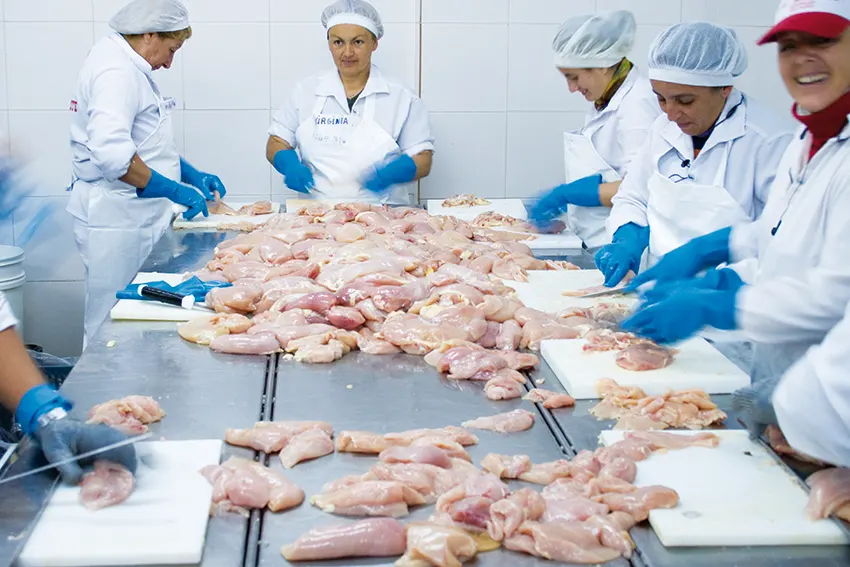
<point>582,160</point>
<point>121,228</point>
<point>679,212</point>
<point>341,149</point>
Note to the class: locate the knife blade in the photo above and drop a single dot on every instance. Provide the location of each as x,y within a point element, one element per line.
<point>613,291</point>
<point>122,443</point>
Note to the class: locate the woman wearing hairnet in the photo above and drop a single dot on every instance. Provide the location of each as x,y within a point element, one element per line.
<point>126,166</point>
<point>354,127</point>
<point>801,242</point>
<point>591,51</point>
<point>708,161</point>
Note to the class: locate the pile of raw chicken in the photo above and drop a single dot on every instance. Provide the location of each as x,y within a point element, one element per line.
<point>322,282</point>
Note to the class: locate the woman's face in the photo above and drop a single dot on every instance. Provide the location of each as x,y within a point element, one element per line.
<point>816,70</point>
<point>693,109</point>
<point>352,47</point>
<point>159,51</point>
<point>591,83</point>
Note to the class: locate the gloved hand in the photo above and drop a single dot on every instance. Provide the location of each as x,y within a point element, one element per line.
<point>400,170</point>
<point>583,192</point>
<point>193,286</point>
<point>615,260</point>
<point>42,413</point>
<point>713,280</point>
<point>206,182</point>
<point>755,405</point>
<point>683,314</point>
<point>160,186</point>
<point>296,175</point>
<point>688,259</point>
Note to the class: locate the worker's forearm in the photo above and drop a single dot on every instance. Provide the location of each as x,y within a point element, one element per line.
<point>607,192</point>
<point>139,173</point>
<point>18,373</point>
<point>423,162</point>
<point>275,145</point>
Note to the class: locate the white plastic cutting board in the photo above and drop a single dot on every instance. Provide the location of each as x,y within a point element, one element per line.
<point>163,522</point>
<point>697,365</point>
<point>213,221</point>
<point>512,207</point>
<point>138,310</point>
<point>543,290</point>
<point>735,494</point>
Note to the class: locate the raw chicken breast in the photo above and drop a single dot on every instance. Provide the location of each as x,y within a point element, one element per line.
<point>550,400</point>
<point>375,537</point>
<point>639,502</point>
<point>508,514</point>
<point>456,434</point>
<point>510,422</point>
<point>311,444</point>
<point>570,542</point>
<point>261,343</point>
<point>644,356</point>
<point>273,436</point>
<point>420,477</point>
<point>360,442</point>
<point>572,508</point>
<point>546,473</point>
<point>108,485</point>
<point>433,544</point>
<point>503,388</point>
<point>130,415</point>
<point>830,494</point>
<point>659,440</point>
<point>242,483</point>
<point>369,498</point>
<point>202,330</point>
<point>506,466</point>
<point>427,454</point>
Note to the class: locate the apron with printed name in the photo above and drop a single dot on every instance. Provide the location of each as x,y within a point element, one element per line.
<point>582,160</point>
<point>342,148</point>
<point>121,228</point>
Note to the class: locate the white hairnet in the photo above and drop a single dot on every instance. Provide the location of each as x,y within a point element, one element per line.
<point>357,12</point>
<point>594,41</point>
<point>698,54</point>
<point>149,16</point>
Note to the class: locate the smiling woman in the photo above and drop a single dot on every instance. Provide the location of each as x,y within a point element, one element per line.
<point>360,134</point>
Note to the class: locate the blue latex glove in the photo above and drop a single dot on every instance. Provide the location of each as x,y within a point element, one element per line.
<point>583,192</point>
<point>688,260</point>
<point>160,186</point>
<point>193,286</point>
<point>717,280</point>
<point>755,405</point>
<point>400,170</point>
<point>615,260</point>
<point>296,175</point>
<point>206,182</point>
<point>63,437</point>
<point>683,314</point>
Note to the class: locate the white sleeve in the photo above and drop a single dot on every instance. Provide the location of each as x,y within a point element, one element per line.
<point>634,130</point>
<point>287,119</point>
<point>112,109</point>
<point>803,304</point>
<point>629,204</point>
<point>746,269</point>
<point>768,157</point>
<point>744,241</point>
<point>7,318</point>
<point>812,400</point>
<point>415,136</point>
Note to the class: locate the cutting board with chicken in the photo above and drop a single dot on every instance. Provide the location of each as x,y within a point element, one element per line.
<point>696,365</point>
<point>735,494</point>
<point>163,522</point>
<point>292,205</point>
<point>138,310</point>
<point>511,207</point>
<point>543,290</point>
<point>213,221</point>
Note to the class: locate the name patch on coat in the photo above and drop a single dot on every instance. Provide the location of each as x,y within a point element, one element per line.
<point>330,120</point>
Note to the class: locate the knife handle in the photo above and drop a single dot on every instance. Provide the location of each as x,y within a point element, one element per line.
<point>184,301</point>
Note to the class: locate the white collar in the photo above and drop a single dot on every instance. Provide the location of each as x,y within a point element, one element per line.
<point>137,59</point>
<point>331,85</point>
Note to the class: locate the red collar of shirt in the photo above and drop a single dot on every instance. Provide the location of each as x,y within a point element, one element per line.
<point>825,124</point>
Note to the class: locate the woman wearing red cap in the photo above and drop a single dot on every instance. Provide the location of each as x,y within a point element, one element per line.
<point>802,239</point>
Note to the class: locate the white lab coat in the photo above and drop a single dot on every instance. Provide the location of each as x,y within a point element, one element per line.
<point>7,317</point>
<point>390,105</point>
<point>757,135</point>
<point>616,134</point>
<point>117,111</point>
<point>803,280</point>
<point>812,401</point>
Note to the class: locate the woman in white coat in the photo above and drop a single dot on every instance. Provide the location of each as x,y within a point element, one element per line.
<point>802,239</point>
<point>126,166</point>
<point>360,135</point>
<point>591,52</point>
<point>709,160</point>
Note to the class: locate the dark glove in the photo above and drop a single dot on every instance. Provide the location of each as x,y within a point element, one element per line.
<point>688,260</point>
<point>615,260</point>
<point>194,199</point>
<point>206,182</point>
<point>755,405</point>
<point>42,413</point>
<point>296,175</point>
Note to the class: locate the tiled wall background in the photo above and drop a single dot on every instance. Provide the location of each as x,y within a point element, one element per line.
<point>498,106</point>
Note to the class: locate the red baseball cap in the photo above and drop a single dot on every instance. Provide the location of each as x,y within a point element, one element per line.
<point>823,18</point>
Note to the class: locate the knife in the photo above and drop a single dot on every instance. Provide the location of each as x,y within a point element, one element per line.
<point>171,298</point>
<point>612,291</point>
<point>122,443</point>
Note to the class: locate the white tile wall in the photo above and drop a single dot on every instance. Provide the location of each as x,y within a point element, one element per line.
<point>498,105</point>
